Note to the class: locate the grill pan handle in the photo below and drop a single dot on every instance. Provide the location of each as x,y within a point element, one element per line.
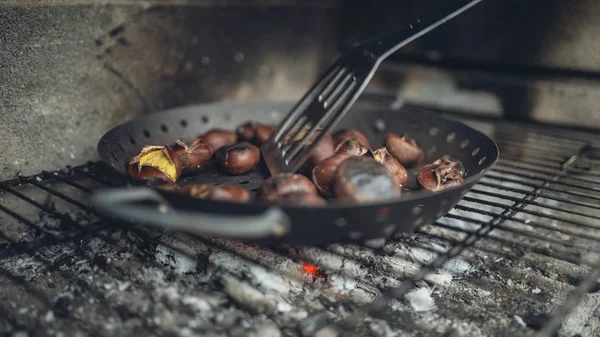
<point>122,203</point>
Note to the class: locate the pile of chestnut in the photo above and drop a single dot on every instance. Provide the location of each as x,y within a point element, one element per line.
<point>343,166</point>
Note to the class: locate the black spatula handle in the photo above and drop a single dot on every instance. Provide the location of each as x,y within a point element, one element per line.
<point>125,204</point>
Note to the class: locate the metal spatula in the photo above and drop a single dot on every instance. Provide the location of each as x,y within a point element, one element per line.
<point>331,97</point>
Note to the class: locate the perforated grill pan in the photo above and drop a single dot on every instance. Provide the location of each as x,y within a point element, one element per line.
<point>263,223</point>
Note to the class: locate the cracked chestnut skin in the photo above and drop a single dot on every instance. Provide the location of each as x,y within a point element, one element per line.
<point>352,148</point>
<point>404,149</point>
<point>153,174</point>
<point>217,138</point>
<point>194,156</point>
<point>344,135</point>
<point>238,159</point>
<point>441,174</point>
<point>362,179</point>
<point>224,192</point>
<point>323,174</point>
<point>285,183</point>
<point>396,169</point>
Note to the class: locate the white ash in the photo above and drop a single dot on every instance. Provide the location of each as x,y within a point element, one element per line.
<point>182,263</point>
<point>420,300</point>
<point>181,286</point>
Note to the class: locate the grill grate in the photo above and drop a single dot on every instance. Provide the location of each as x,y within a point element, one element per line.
<point>513,258</point>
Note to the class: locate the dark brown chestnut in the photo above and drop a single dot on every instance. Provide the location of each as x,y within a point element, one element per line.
<point>156,163</point>
<point>396,169</point>
<point>301,199</point>
<point>262,133</point>
<point>323,150</point>
<point>217,138</point>
<point>246,131</point>
<point>441,174</point>
<point>322,174</point>
<point>193,156</point>
<point>361,179</point>
<point>219,192</point>
<point>239,158</point>
<point>344,135</point>
<point>405,150</point>
<point>352,148</point>
<point>285,183</point>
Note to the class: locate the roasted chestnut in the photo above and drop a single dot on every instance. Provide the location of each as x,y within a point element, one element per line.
<point>262,133</point>
<point>405,150</point>
<point>218,192</point>
<point>246,131</point>
<point>352,148</point>
<point>217,138</point>
<point>441,174</point>
<point>239,158</point>
<point>344,135</point>
<point>285,183</point>
<point>193,156</point>
<point>322,151</point>
<point>301,199</point>
<point>361,179</point>
<point>322,174</point>
<point>396,169</point>
<point>156,163</point>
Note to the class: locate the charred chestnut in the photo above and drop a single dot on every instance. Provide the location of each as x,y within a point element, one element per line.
<point>361,179</point>
<point>352,148</point>
<point>396,169</point>
<point>344,135</point>
<point>405,150</point>
<point>217,138</point>
<point>301,199</point>
<point>156,163</point>
<point>284,183</point>
<point>239,158</point>
<point>441,174</point>
<point>323,173</point>
<point>220,192</point>
<point>193,156</point>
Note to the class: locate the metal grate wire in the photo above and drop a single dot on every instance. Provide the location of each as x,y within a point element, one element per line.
<point>537,207</point>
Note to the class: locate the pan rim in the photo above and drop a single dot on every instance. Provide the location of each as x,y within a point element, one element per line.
<point>331,205</point>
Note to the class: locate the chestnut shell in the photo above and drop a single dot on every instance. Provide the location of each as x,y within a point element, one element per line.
<point>194,156</point>
<point>262,133</point>
<point>152,173</point>
<point>323,150</point>
<point>301,199</point>
<point>405,150</point>
<point>441,174</point>
<point>246,131</point>
<point>361,179</point>
<point>343,135</point>
<point>284,183</point>
<point>323,173</point>
<point>238,158</point>
<point>224,192</point>
<point>396,169</point>
<point>352,148</point>
<point>218,138</point>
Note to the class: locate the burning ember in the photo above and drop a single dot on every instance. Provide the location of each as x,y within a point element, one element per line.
<point>311,270</point>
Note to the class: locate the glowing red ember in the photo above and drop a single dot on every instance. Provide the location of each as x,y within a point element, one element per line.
<point>309,269</point>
